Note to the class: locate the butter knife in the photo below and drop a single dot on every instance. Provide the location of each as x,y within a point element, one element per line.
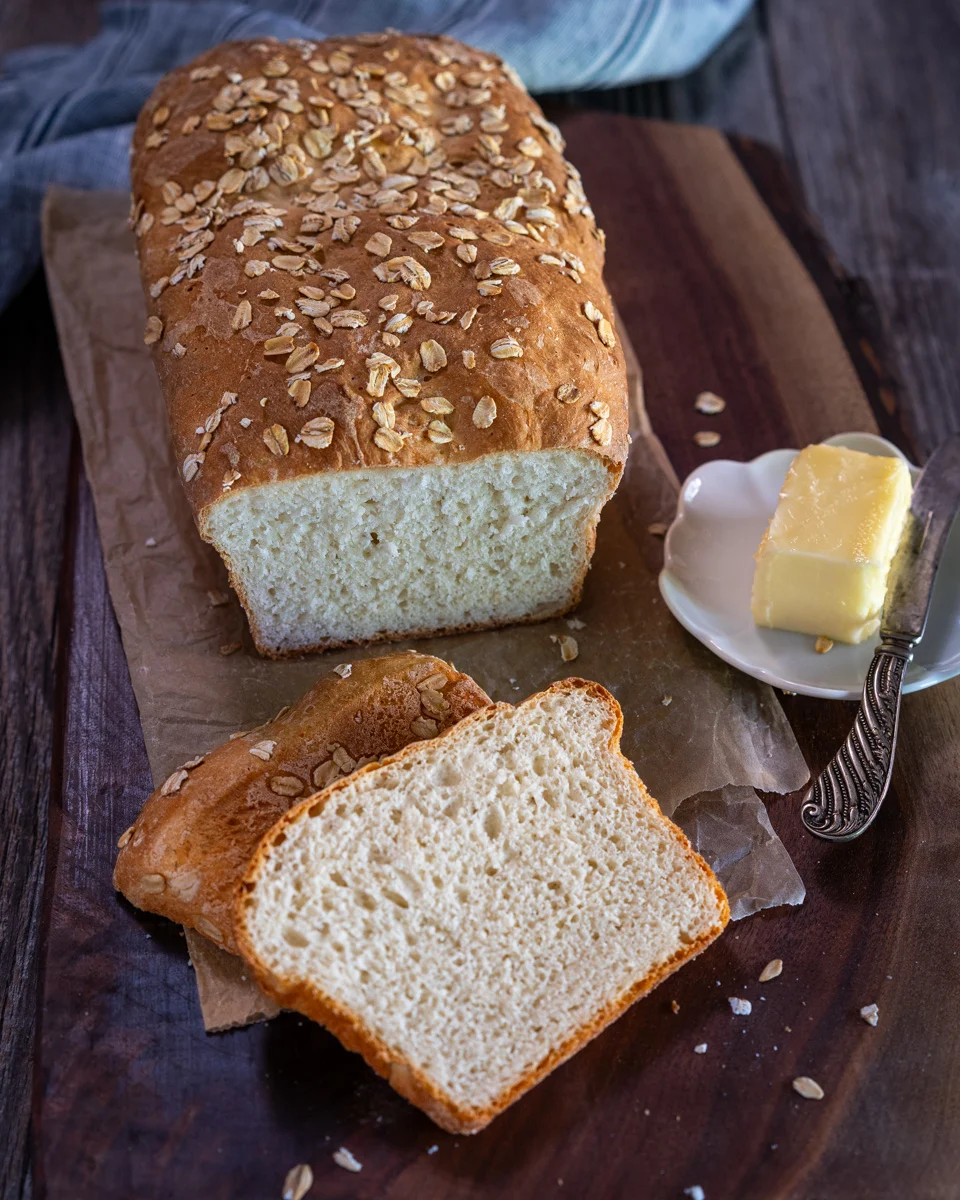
<point>847,796</point>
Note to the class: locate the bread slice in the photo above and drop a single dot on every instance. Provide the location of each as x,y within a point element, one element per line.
<point>187,851</point>
<point>472,911</point>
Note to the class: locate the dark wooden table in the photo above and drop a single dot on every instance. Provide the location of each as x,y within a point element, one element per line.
<point>862,100</point>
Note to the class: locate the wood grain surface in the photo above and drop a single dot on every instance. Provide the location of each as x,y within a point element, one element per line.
<point>873,138</point>
<point>35,437</point>
<point>132,1098</point>
<point>863,100</point>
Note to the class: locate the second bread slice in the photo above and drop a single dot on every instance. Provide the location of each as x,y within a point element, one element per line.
<point>187,851</point>
<point>471,912</point>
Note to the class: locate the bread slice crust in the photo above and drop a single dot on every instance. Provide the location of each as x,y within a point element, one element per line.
<point>193,843</point>
<point>404,1076</point>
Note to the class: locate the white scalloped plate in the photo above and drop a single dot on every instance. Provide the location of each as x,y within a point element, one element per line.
<point>708,574</point>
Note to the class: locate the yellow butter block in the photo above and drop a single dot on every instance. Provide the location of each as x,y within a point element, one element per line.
<point>823,563</point>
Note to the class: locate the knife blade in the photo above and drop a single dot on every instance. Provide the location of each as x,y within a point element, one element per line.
<point>933,506</point>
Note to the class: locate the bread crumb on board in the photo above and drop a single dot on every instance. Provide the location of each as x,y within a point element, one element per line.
<point>740,1007</point>
<point>343,1158</point>
<point>695,1193</point>
<point>569,649</point>
<point>701,1048</point>
<point>870,1013</point>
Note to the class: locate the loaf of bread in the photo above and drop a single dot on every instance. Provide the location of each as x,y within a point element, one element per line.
<point>189,848</point>
<point>472,911</point>
<point>396,397</point>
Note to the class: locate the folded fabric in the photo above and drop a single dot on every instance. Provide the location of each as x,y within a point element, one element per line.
<point>66,112</point>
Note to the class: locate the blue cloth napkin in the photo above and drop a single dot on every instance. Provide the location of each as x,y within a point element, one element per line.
<point>66,112</point>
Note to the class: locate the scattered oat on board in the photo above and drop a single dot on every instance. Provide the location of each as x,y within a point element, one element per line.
<point>870,1013</point>
<point>343,670</point>
<point>568,646</point>
<point>230,648</point>
<point>674,1006</point>
<point>808,1088</point>
<point>740,1007</point>
<point>217,599</point>
<point>150,542</point>
<point>771,970</point>
<point>823,645</point>
<point>343,1158</point>
<point>710,403</point>
<point>706,438</point>
<point>298,1182</point>
<point>667,700</point>
<point>657,529</point>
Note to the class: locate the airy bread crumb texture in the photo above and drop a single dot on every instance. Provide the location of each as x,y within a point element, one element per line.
<point>365,555</point>
<point>468,914</point>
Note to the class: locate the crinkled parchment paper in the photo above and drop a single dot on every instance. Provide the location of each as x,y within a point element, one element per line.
<point>701,734</point>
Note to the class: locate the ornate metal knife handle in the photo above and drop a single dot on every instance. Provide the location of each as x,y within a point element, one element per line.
<point>848,794</point>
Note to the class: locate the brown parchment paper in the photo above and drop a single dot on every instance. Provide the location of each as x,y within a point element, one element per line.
<point>701,734</point>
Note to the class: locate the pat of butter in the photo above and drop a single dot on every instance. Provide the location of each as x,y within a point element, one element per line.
<point>823,563</point>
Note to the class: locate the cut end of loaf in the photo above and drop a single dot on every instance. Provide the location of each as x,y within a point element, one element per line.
<point>470,913</point>
<point>384,553</point>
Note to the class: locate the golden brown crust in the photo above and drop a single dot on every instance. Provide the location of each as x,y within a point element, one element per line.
<point>188,849</point>
<point>403,1075</point>
<point>541,306</point>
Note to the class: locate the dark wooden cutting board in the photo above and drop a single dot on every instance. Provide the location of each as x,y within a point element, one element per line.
<point>133,1099</point>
